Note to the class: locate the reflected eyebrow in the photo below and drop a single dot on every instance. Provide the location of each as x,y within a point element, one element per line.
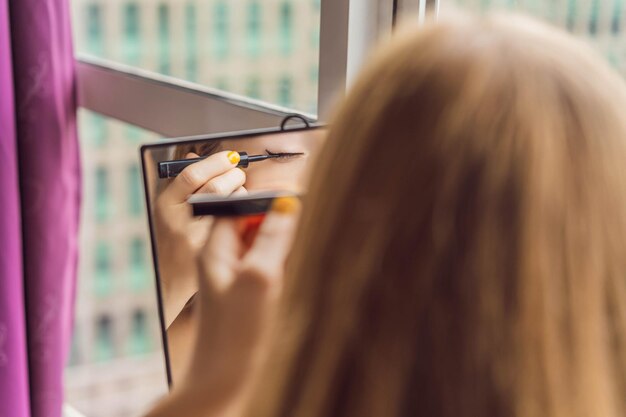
<point>283,154</point>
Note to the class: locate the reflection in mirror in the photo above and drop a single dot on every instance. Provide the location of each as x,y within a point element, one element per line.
<point>227,168</point>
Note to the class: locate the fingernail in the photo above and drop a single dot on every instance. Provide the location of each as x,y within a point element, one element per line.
<point>233,157</point>
<point>285,205</point>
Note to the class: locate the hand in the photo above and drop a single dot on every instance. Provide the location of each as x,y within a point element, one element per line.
<point>180,235</point>
<point>239,290</point>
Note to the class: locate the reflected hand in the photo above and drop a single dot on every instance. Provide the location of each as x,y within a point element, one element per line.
<point>179,234</point>
<point>238,291</point>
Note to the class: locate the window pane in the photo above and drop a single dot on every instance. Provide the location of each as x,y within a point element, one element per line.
<point>116,366</point>
<point>138,267</point>
<point>191,43</point>
<point>284,91</point>
<point>140,336</point>
<point>217,43</point>
<point>253,28</point>
<point>131,43</point>
<point>135,191</point>
<point>103,208</point>
<point>104,348</point>
<point>599,22</point>
<point>164,39</point>
<point>103,276</point>
<point>285,35</point>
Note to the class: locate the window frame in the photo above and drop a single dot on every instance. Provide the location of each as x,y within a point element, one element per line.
<point>172,107</point>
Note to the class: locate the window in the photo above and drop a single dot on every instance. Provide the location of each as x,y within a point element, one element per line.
<point>102,271</point>
<point>132,46</point>
<point>286,28</point>
<point>593,18</point>
<point>616,16</point>
<point>135,191</point>
<point>191,43</point>
<point>220,43</point>
<point>137,264</point>
<point>104,346</point>
<point>95,44</point>
<point>571,15</point>
<point>164,39</point>
<point>253,29</point>
<point>205,41</point>
<point>102,194</point>
<point>140,336</point>
<point>284,91</point>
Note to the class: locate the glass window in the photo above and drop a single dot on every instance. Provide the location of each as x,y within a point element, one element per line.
<point>164,39</point>
<point>137,263</point>
<point>104,346</point>
<point>140,336</point>
<point>571,18</point>
<point>131,46</point>
<point>616,17</point>
<point>102,271</point>
<point>253,29</point>
<point>191,42</point>
<point>135,191</point>
<point>593,18</point>
<point>204,41</point>
<point>220,32</point>
<point>284,91</point>
<point>95,41</point>
<point>285,28</point>
<point>102,194</point>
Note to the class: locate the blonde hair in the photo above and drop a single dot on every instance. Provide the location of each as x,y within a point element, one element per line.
<point>462,253</point>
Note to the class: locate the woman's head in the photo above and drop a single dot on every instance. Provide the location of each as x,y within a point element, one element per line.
<point>461,253</point>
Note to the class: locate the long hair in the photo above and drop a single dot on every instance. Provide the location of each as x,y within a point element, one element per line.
<point>463,251</point>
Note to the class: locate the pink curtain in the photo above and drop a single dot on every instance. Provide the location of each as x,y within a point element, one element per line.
<point>40,189</point>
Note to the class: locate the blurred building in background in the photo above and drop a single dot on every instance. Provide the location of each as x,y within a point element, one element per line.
<point>265,50</point>
<point>600,22</point>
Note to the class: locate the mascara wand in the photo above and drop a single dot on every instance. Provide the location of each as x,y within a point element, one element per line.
<point>170,169</point>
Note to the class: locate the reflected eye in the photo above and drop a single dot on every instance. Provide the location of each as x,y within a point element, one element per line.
<point>283,155</point>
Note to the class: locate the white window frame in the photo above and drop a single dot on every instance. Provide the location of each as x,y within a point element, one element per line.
<point>173,107</point>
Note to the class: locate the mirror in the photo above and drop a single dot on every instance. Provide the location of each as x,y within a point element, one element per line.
<point>204,168</point>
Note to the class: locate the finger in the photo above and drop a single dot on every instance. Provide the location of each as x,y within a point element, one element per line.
<point>225,184</point>
<point>264,262</point>
<point>220,256</point>
<point>240,192</point>
<point>197,174</point>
